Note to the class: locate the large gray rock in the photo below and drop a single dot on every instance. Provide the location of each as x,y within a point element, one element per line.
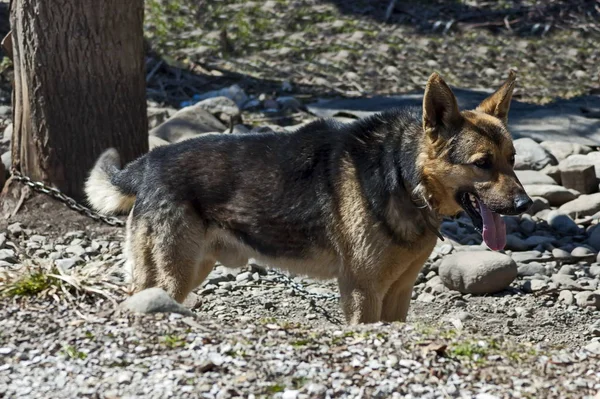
<point>584,205</point>
<point>528,177</point>
<point>481,272</point>
<point>593,158</point>
<point>556,195</point>
<point>188,122</point>
<point>154,300</point>
<point>531,155</point>
<point>562,149</point>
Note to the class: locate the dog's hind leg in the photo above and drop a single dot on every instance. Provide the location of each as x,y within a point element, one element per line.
<point>179,253</point>
<point>138,252</point>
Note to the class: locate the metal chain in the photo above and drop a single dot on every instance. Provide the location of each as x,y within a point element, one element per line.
<point>65,199</point>
<point>113,221</point>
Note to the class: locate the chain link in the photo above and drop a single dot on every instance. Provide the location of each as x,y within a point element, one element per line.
<point>65,199</point>
<point>113,221</point>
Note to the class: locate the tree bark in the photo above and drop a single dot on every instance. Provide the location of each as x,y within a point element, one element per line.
<point>79,87</point>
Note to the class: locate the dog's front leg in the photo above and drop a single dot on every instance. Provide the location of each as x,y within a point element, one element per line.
<point>360,301</point>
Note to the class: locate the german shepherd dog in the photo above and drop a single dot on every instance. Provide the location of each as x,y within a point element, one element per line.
<point>360,202</point>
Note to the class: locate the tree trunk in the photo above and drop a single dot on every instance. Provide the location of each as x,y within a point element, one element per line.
<point>79,87</point>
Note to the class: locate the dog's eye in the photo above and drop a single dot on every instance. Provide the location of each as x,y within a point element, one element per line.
<point>512,160</point>
<point>483,163</point>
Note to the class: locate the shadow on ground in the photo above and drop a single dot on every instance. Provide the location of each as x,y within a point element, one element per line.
<point>519,17</point>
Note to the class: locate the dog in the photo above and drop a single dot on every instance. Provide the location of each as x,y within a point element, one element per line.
<point>360,202</point>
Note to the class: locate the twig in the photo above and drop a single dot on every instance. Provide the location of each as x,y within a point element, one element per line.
<point>390,10</point>
<point>153,71</point>
<point>24,194</point>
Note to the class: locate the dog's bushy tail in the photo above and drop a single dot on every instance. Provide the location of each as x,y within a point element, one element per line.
<point>109,189</point>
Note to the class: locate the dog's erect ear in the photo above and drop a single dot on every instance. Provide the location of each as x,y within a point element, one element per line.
<point>498,103</point>
<point>440,108</point>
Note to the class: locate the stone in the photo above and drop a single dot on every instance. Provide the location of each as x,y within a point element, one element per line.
<point>562,150</point>
<point>587,299</point>
<point>527,224</point>
<point>154,300</point>
<point>7,255</point>
<point>16,229</point>
<point>567,270</point>
<point>534,285</point>
<point>188,122</point>
<point>539,204</point>
<point>528,177</point>
<point>7,135</point>
<point>593,158</point>
<point>67,263</point>
<point>244,276</point>
<point>579,177</point>
<point>594,347</point>
<point>193,301</point>
<point>595,270</point>
<point>583,252</point>
<point>562,222</point>
<point>289,103</point>
<point>531,156</point>
<point>75,250</point>
<point>525,256</point>
<point>556,195</point>
<point>561,255</point>
<point>565,282</point>
<point>566,297</point>
<point>478,272</point>
<point>223,108</point>
<point>154,142</point>
<point>514,243</point>
<point>553,171</point>
<point>594,239</point>
<point>531,269</point>
<point>584,205</point>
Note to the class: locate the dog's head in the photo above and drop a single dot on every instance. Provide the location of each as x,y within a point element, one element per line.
<point>468,158</point>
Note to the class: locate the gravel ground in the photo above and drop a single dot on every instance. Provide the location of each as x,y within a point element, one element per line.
<point>255,334</point>
<point>106,354</point>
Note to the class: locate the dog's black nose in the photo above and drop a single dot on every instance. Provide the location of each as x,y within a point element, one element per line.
<point>522,203</point>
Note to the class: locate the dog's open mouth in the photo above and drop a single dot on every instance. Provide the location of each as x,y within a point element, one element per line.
<point>489,224</point>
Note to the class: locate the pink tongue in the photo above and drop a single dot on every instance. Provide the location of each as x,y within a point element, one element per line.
<point>494,229</point>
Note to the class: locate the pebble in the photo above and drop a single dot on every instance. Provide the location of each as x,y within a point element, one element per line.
<point>566,297</point>
<point>567,270</point>
<point>154,300</point>
<point>565,281</point>
<point>588,299</point>
<point>534,285</point>
<point>245,276</point>
<point>7,255</point>
<point>583,252</point>
<point>15,229</point>
<point>531,269</point>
